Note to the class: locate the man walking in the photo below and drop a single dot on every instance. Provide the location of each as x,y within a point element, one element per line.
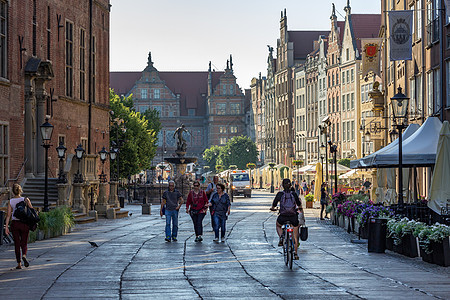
<point>173,201</point>
<point>210,190</point>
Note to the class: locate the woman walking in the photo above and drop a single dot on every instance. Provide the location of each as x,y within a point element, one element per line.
<point>221,204</point>
<point>19,230</point>
<point>196,206</point>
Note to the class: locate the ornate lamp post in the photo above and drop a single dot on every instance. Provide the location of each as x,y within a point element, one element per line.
<point>333,150</point>
<point>400,105</point>
<point>103,154</point>
<point>61,150</point>
<point>46,133</point>
<point>112,156</point>
<point>322,151</point>
<point>79,151</point>
<point>271,168</point>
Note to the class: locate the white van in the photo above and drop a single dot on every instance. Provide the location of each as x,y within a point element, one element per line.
<point>240,180</point>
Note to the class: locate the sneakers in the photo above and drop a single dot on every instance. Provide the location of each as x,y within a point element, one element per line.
<point>167,239</point>
<point>216,240</point>
<point>200,238</point>
<point>25,262</point>
<point>280,242</point>
<point>295,256</point>
<point>174,239</point>
<point>223,240</point>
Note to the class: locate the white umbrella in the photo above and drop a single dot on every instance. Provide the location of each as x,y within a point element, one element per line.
<point>440,187</point>
<point>349,174</point>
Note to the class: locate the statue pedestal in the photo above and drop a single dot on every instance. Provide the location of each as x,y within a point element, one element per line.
<point>78,200</point>
<point>102,204</point>
<point>113,197</point>
<point>62,192</point>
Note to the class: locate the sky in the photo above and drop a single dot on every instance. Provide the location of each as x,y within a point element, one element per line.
<point>184,35</point>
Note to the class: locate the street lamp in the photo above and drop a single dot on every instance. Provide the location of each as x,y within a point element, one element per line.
<point>103,154</point>
<point>271,168</point>
<point>323,149</point>
<point>333,150</point>
<point>46,133</point>
<point>112,156</point>
<point>61,150</point>
<point>79,151</point>
<point>400,105</point>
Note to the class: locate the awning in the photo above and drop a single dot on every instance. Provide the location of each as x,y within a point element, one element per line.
<point>370,160</point>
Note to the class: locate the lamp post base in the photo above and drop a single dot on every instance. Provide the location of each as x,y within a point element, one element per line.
<point>78,200</point>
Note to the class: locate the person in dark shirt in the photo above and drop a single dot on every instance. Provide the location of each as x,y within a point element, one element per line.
<point>323,200</point>
<point>288,211</point>
<point>173,201</point>
<point>220,203</point>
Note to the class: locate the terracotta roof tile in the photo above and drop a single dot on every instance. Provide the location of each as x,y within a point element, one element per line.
<point>365,26</point>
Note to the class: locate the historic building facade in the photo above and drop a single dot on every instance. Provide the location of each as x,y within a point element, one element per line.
<point>257,125</point>
<point>54,64</point>
<point>210,104</point>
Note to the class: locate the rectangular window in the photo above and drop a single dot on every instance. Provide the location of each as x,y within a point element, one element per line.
<point>337,132</point>
<point>224,89</point>
<point>353,100</point>
<point>447,64</point>
<point>329,105</point>
<point>158,108</point>
<point>143,93</point>
<point>352,75</point>
<point>353,130</point>
<point>143,108</point>
<point>3,38</point>
<point>233,129</point>
<point>412,95</point>
<point>419,18</point>
<point>419,93</point>
<point>348,101</point>
<point>221,108</point>
<point>191,112</point>
<point>347,54</point>
<point>231,89</point>
<point>437,90</point>
<point>157,94</point>
<point>343,102</point>
<point>235,108</point>
<point>82,65</point>
<point>69,59</point>
<point>344,130</point>
<point>343,78</point>
<point>49,34</point>
<point>348,76</point>
<point>4,153</point>
<point>430,93</point>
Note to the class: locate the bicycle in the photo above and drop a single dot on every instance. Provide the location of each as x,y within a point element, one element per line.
<point>288,244</point>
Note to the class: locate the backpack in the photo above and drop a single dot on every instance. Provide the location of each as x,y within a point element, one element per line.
<point>288,207</point>
<point>26,215</point>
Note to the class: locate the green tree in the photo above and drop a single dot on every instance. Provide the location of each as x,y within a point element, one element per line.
<point>210,156</point>
<point>135,135</point>
<point>344,162</point>
<point>238,151</point>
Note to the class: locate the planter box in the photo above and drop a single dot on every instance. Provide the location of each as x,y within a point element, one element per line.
<point>309,204</point>
<point>398,248</point>
<point>341,221</point>
<point>426,257</point>
<point>390,243</point>
<point>441,252</point>
<point>410,245</point>
<point>332,216</point>
<point>365,232</point>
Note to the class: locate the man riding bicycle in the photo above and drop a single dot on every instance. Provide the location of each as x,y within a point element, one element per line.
<point>290,205</point>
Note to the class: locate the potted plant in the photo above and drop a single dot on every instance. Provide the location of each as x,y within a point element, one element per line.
<point>434,240</point>
<point>309,198</point>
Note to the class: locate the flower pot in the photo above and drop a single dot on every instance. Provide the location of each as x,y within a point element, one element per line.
<point>341,221</point>
<point>346,222</point>
<point>332,216</point>
<point>364,231</point>
<point>389,243</point>
<point>410,245</point>
<point>309,204</point>
<point>426,257</point>
<point>441,252</point>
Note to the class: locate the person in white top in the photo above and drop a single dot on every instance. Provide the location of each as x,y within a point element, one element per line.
<point>19,230</point>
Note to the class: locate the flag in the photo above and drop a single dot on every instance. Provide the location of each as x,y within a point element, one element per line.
<point>400,30</point>
<point>371,56</point>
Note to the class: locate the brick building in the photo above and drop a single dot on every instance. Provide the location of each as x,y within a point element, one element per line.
<point>54,63</point>
<point>210,104</point>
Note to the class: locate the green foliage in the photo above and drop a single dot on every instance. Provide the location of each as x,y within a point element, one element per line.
<point>210,156</point>
<point>309,198</point>
<point>362,198</point>
<point>251,166</point>
<point>232,167</point>
<point>297,162</point>
<point>56,221</point>
<point>138,140</point>
<point>344,162</point>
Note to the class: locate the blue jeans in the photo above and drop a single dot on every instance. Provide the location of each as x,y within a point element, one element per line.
<point>219,222</point>
<point>171,215</point>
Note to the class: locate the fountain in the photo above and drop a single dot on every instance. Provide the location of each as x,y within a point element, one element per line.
<point>180,161</point>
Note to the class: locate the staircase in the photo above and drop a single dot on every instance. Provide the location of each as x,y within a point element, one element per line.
<point>82,218</point>
<point>34,189</point>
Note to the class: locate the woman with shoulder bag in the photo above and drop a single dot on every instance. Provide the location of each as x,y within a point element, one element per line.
<point>196,206</point>
<point>19,229</point>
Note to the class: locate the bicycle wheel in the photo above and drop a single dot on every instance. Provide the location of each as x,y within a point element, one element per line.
<point>288,250</point>
<point>291,251</point>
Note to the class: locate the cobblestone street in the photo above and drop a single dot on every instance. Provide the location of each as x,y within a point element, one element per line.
<point>133,262</point>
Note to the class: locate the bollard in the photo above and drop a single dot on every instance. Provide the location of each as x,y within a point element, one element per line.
<point>122,201</point>
<point>377,235</point>
<point>2,222</point>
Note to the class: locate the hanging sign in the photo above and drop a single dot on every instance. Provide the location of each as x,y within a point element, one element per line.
<point>400,34</point>
<point>371,56</point>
